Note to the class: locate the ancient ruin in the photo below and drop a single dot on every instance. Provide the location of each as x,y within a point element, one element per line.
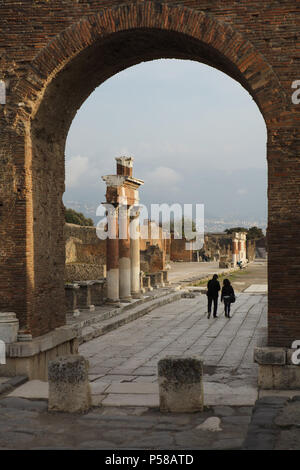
<point>54,57</point>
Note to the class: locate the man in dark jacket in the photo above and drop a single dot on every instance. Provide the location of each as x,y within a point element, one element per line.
<point>213,288</point>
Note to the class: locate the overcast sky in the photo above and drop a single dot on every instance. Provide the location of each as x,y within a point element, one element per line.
<point>196,136</point>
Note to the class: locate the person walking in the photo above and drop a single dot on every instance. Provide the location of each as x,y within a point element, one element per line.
<point>213,288</point>
<point>228,296</point>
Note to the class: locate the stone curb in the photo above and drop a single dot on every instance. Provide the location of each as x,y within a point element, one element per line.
<point>12,383</point>
<point>98,329</point>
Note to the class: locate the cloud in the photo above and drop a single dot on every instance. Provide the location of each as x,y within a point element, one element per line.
<point>242,191</point>
<point>76,167</point>
<point>163,176</point>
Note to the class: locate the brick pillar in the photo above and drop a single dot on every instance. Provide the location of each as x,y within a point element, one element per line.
<point>124,166</point>
<point>283,237</point>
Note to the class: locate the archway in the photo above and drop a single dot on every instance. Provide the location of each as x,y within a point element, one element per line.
<point>63,75</point>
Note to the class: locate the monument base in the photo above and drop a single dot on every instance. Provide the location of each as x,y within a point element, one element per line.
<point>30,358</point>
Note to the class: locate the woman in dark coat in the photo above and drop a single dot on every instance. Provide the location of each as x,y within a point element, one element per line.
<point>227,295</point>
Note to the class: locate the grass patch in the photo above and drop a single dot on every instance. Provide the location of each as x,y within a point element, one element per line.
<point>233,276</point>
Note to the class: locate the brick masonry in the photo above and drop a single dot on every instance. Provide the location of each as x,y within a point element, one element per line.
<point>54,54</point>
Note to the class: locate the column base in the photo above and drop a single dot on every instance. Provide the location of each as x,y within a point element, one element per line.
<point>113,303</point>
<point>137,295</point>
<point>126,299</point>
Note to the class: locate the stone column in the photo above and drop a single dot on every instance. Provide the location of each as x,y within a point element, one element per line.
<point>240,255</point>
<point>112,257</point>
<point>234,252</point>
<point>124,255</point>
<point>135,256</point>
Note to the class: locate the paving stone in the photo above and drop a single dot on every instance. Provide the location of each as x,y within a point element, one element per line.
<point>288,440</point>
<point>289,416</point>
<point>192,440</point>
<point>228,444</point>
<point>157,440</point>
<point>223,411</point>
<point>237,420</point>
<point>98,387</point>
<point>126,399</point>
<point>32,389</point>
<point>135,388</point>
<point>16,403</point>
<point>96,444</point>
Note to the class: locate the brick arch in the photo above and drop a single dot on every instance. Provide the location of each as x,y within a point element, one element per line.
<point>235,55</point>
<point>59,79</point>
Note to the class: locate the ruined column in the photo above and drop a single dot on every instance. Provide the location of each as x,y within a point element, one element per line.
<point>122,193</point>
<point>135,255</point>
<point>240,250</point>
<point>235,250</point>
<point>112,256</point>
<point>124,255</point>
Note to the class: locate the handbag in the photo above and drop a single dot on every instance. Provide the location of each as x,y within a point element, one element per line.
<point>232,298</point>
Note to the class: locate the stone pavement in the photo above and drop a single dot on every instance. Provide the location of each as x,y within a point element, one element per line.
<point>128,356</point>
<point>123,378</point>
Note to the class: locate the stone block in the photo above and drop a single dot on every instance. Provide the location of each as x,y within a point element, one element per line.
<point>97,292</point>
<point>84,295</point>
<point>69,389</point>
<point>272,377</point>
<point>71,297</point>
<point>9,326</point>
<point>270,356</point>
<point>180,384</point>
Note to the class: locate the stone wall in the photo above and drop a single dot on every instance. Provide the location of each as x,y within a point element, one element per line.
<point>85,254</point>
<point>179,252</point>
<point>153,259</point>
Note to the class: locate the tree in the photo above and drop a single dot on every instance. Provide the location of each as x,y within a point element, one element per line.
<point>235,229</point>
<point>77,218</point>
<point>255,233</point>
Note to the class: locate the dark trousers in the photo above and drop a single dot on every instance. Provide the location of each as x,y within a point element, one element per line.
<point>227,307</point>
<point>210,301</point>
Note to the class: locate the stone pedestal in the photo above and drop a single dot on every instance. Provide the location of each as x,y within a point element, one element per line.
<point>147,283</point>
<point>31,358</point>
<point>84,295</point>
<point>180,384</point>
<point>97,292</point>
<point>69,389</point>
<point>9,326</point>
<point>71,297</point>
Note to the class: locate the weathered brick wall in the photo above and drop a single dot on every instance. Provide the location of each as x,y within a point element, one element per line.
<point>153,259</point>
<point>54,53</point>
<point>85,254</point>
<point>218,245</point>
<point>179,252</point>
